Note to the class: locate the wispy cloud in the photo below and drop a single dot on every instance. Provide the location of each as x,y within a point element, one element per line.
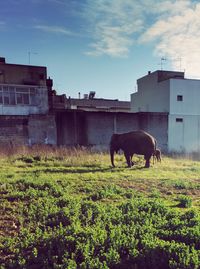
<point>178,35</point>
<point>173,26</point>
<point>113,24</point>
<point>54,29</point>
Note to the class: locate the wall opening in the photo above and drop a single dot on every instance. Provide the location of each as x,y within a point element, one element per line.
<point>179,119</point>
<point>179,97</point>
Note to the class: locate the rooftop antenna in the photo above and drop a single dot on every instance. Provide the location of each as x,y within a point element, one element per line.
<point>162,60</point>
<point>29,56</point>
<point>180,62</point>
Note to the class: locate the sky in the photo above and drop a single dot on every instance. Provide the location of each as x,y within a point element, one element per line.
<point>101,45</point>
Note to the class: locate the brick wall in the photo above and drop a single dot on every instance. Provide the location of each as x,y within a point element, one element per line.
<point>21,130</point>
<point>13,129</point>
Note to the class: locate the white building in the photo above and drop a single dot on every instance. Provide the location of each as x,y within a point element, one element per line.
<point>169,92</point>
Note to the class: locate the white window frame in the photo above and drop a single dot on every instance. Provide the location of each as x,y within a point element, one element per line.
<point>28,92</point>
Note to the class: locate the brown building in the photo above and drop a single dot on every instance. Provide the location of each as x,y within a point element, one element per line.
<point>24,104</point>
<point>22,74</point>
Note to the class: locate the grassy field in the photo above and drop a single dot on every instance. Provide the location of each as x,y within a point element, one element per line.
<point>63,208</point>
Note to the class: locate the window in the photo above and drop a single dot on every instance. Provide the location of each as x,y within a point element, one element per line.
<point>12,98</point>
<point>1,97</point>
<point>11,95</point>
<point>179,97</point>
<point>33,99</point>
<point>22,96</point>
<point>25,98</point>
<point>179,119</point>
<point>7,95</point>
<point>19,98</point>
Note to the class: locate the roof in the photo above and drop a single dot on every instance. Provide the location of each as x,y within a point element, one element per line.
<point>95,104</point>
<point>100,102</point>
<point>162,75</point>
<point>3,62</point>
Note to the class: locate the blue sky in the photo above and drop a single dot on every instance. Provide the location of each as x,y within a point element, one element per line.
<point>101,45</point>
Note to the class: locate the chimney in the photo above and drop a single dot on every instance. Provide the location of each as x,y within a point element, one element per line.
<point>92,94</point>
<point>149,72</point>
<point>2,60</point>
<point>49,83</point>
<point>85,96</point>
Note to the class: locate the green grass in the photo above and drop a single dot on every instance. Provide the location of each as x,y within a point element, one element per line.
<point>68,208</point>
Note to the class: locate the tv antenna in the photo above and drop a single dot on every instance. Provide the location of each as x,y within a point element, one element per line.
<point>162,60</point>
<point>29,56</point>
<point>179,59</point>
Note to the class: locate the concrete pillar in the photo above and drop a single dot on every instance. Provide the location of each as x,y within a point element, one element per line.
<point>75,129</point>
<point>115,123</point>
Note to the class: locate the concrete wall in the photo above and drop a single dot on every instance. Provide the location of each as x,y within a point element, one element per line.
<point>71,128</point>
<point>126,122</point>
<point>178,97</point>
<point>96,128</point>
<point>157,125</point>
<point>92,128</point>
<point>152,96</point>
<point>184,118</point>
<point>177,135</point>
<point>189,89</point>
<point>100,127</point>
<point>184,133</point>
<point>42,129</point>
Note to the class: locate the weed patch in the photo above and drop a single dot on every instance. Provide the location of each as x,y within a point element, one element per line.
<point>184,201</point>
<point>67,208</point>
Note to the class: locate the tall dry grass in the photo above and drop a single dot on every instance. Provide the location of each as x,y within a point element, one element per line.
<point>70,155</point>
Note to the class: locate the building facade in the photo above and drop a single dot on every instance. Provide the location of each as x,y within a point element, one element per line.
<point>32,113</point>
<point>24,105</point>
<point>92,122</point>
<point>23,89</point>
<point>170,93</point>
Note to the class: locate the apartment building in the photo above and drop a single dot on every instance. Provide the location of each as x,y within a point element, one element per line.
<point>171,93</point>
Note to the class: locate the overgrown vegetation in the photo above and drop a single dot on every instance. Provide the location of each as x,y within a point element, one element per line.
<point>68,208</point>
